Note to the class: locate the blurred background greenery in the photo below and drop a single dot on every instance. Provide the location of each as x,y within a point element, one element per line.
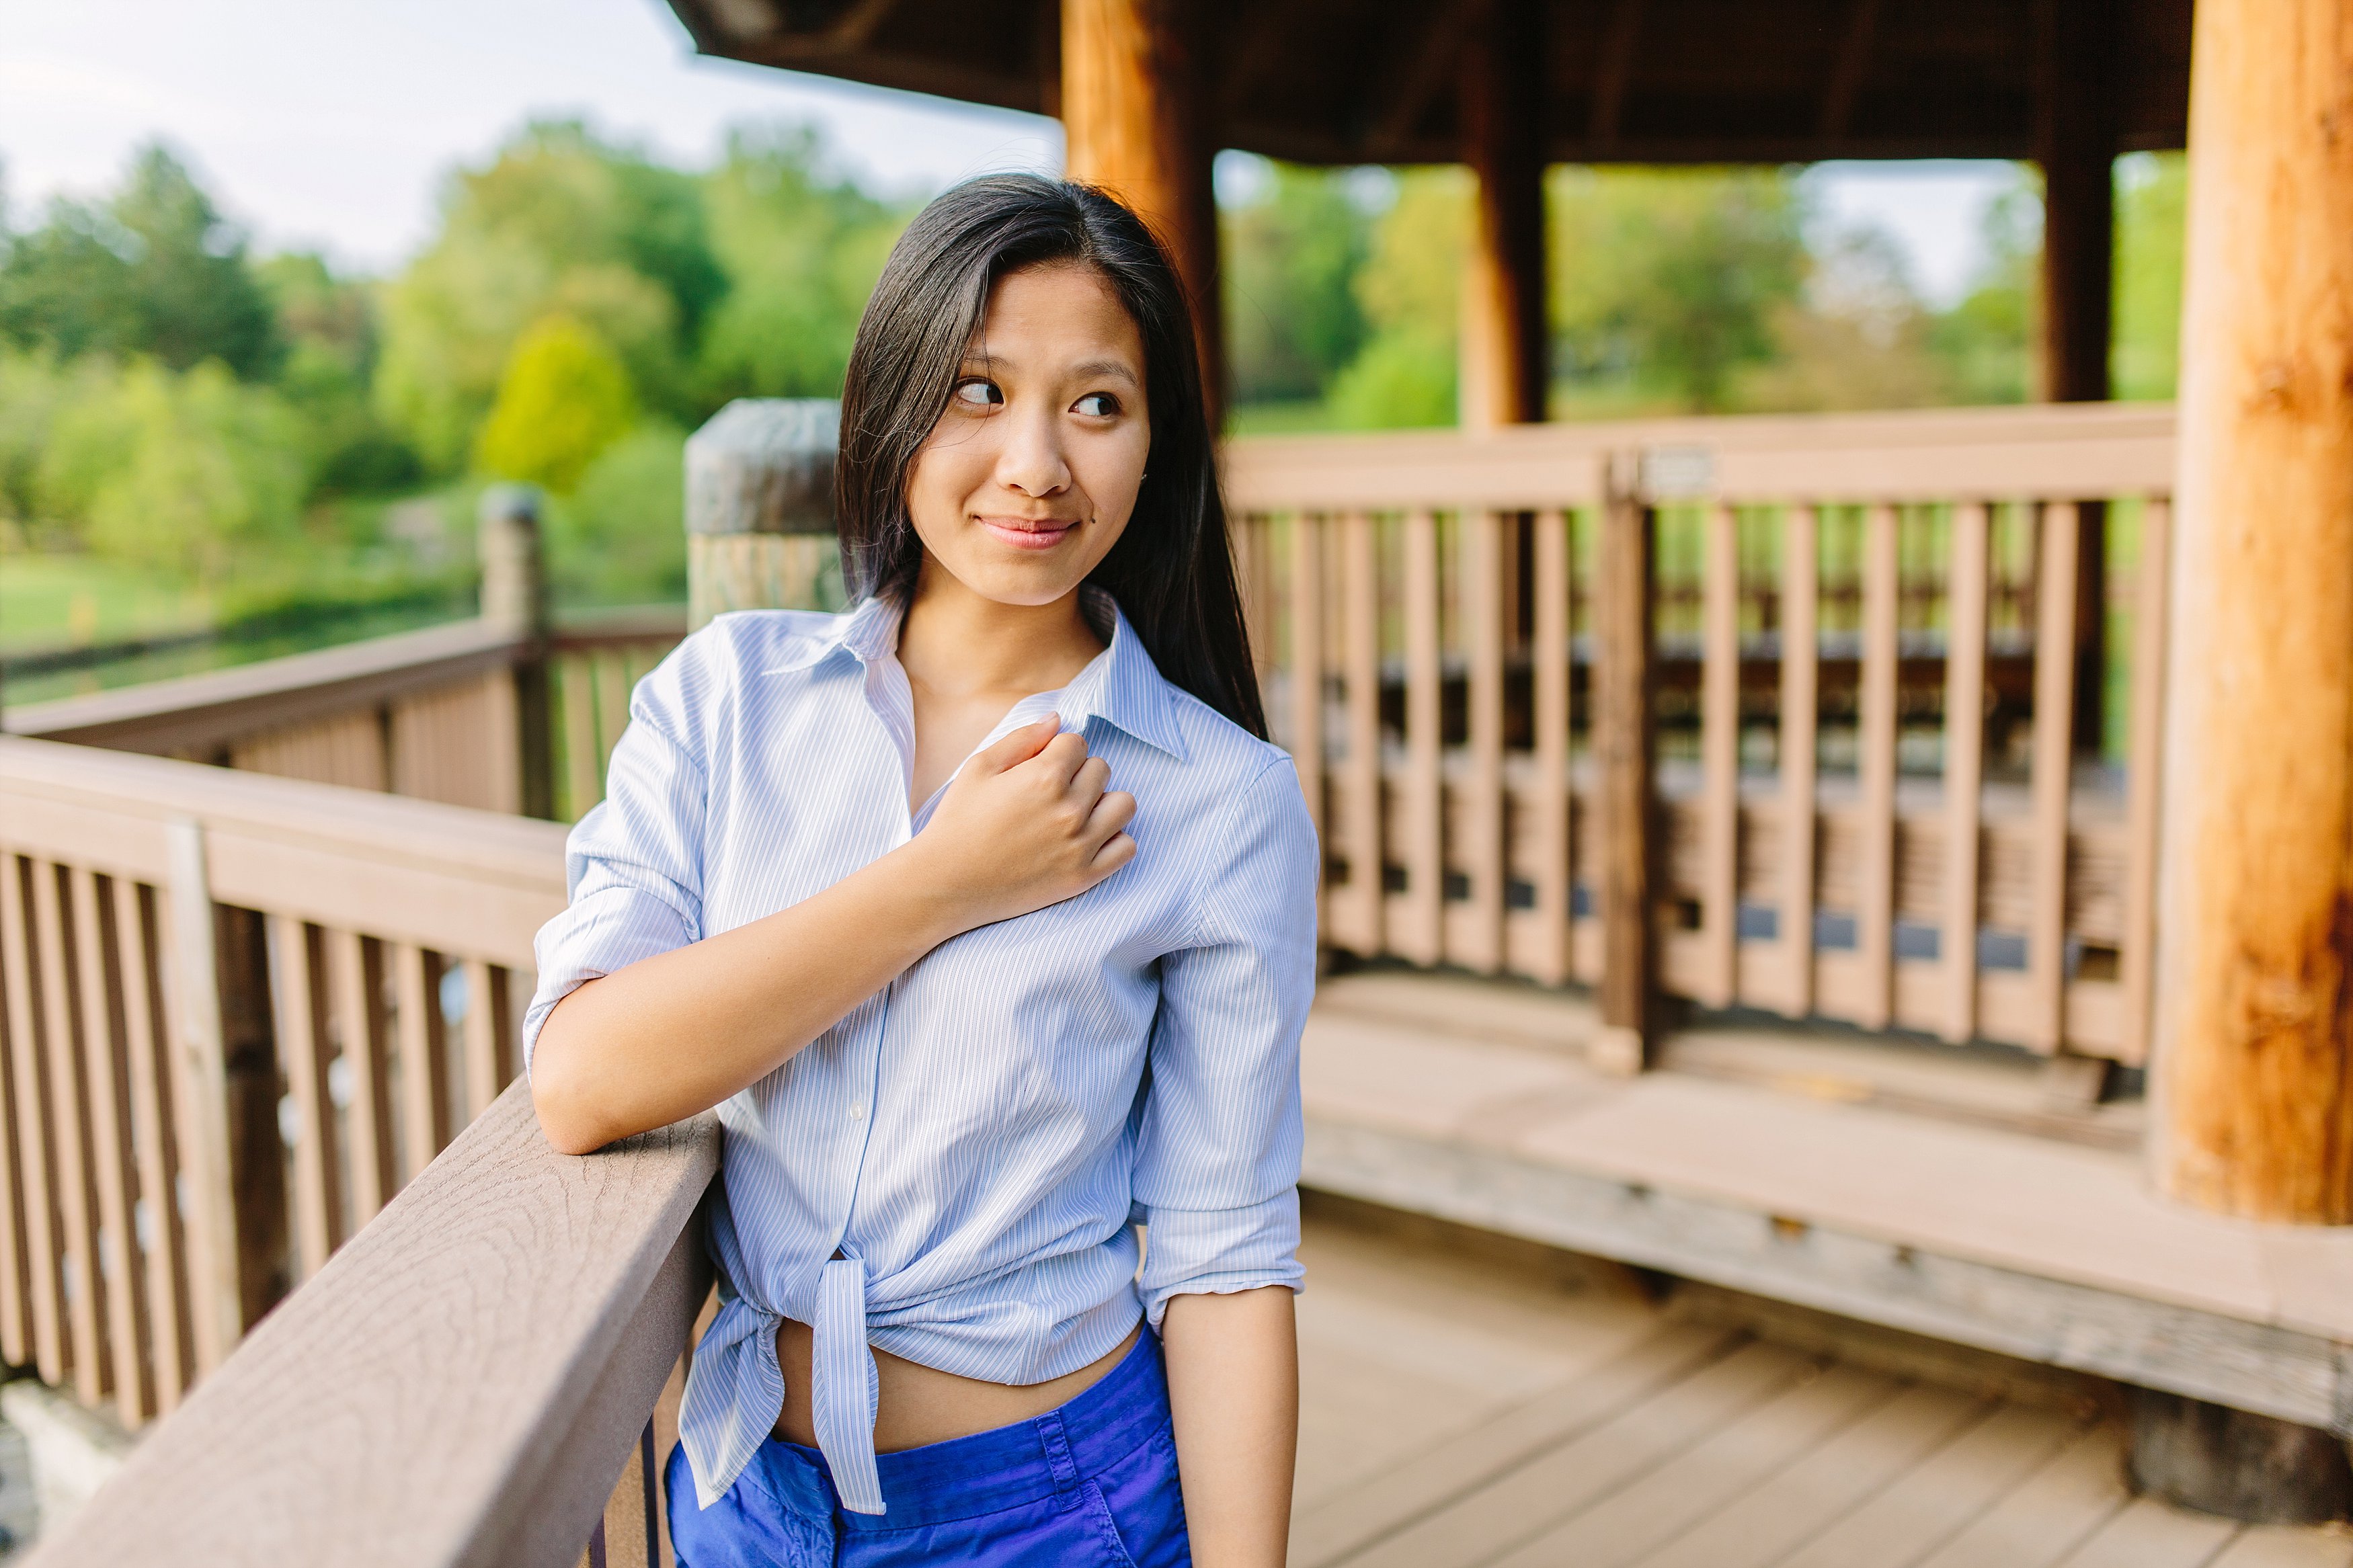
<point>250,451</point>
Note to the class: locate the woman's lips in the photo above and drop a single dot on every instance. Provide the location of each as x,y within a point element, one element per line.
<point>1024,533</point>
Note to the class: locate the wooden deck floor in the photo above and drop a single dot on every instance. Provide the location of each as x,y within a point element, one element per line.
<point>1461,1411</point>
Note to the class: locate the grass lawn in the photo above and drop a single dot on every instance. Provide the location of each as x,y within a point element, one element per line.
<point>47,601</point>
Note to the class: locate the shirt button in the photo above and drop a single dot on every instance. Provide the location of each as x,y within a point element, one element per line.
<point>857,1113</point>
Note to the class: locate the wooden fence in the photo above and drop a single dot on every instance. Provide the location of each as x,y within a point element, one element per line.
<point>477,713</point>
<point>1875,616</point>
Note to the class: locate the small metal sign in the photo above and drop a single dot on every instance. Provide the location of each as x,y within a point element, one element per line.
<point>1670,473</point>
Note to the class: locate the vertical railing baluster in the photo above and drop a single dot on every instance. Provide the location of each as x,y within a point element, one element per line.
<point>424,1056</point>
<point>197,1090</point>
<point>30,983</point>
<point>584,770</point>
<point>488,1052</point>
<point>70,1124</point>
<point>356,968</point>
<point>1795,749</point>
<point>1965,723</point>
<point>1550,653</point>
<point>1484,612</point>
<point>16,1034</point>
<point>1720,756</point>
<point>1306,653</point>
<point>296,954</point>
<point>2137,963</point>
<point>1875,920</point>
<point>2053,763</point>
<point>1361,770</point>
<point>1625,746</point>
<point>170,1335</point>
<point>613,688</point>
<point>1425,833</point>
<point>106,1079</point>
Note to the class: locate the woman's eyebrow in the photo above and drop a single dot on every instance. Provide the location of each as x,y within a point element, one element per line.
<point>1095,367</point>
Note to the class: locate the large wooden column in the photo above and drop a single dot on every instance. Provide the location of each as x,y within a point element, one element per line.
<point>1133,117</point>
<point>2253,1073</point>
<point>2077,132</point>
<point>1504,331</point>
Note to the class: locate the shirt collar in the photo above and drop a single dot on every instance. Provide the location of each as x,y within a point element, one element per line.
<point>1120,685</point>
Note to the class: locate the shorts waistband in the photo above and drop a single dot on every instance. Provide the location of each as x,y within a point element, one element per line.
<point>1003,1468</point>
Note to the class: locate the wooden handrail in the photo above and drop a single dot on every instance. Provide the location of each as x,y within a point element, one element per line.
<point>459,1385</point>
<point>193,712</point>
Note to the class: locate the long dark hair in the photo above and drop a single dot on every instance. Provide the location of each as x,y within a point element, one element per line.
<point>1172,570</point>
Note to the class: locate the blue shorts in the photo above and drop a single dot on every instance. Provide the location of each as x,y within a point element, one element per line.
<point>1092,1485</point>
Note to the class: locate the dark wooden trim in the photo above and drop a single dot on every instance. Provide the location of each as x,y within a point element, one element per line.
<point>1848,71</point>
<point>1613,70</point>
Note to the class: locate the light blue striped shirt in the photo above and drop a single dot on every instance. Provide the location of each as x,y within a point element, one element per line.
<point>977,1139</point>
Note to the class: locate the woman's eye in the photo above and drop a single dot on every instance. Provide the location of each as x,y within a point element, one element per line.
<point>979,392</point>
<point>1096,403</point>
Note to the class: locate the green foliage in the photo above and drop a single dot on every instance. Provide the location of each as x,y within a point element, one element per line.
<point>1289,263</point>
<point>1986,341</point>
<point>329,325</point>
<point>620,537</point>
<point>565,398</point>
<point>193,473</point>
<point>1409,292</point>
<point>154,271</point>
<point>1669,281</point>
<point>560,223</point>
<point>801,252</point>
<point>2152,193</point>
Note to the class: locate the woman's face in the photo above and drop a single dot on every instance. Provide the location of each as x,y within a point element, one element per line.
<point>1029,477</point>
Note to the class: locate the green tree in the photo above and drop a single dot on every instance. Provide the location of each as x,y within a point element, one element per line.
<point>560,222</point>
<point>330,328</point>
<point>1290,264</point>
<point>193,473</point>
<point>565,398</point>
<point>1986,341</point>
<point>1411,293</point>
<point>801,251</point>
<point>1667,282</point>
<point>620,537</point>
<point>2152,193</point>
<point>155,269</point>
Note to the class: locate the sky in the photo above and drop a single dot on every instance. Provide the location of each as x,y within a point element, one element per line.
<point>329,124</point>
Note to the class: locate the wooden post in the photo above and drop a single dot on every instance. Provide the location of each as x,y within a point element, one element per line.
<point>1504,371</point>
<point>759,507</point>
<point>2077,132</point>
<point>1133,119</point>
<point>514,592</point>
<point>2253,1075</point>
<point>1624,740</point>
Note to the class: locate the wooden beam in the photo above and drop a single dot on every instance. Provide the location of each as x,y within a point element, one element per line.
<point>1614,70</point>
<point>1422,63</point>
<point>1132,114</point>
<point>1848,71</point>
<point>2255,1048</point>
<point>1504,320</point>
<point>1625,740</point>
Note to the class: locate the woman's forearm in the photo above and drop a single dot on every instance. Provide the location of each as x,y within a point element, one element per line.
<point>1233,1392</point>
<point>675,1033</point>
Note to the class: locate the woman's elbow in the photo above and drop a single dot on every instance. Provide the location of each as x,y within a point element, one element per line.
<point>567,1117</point>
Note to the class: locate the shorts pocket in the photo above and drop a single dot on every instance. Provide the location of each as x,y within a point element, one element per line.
<point>1099,1513</point>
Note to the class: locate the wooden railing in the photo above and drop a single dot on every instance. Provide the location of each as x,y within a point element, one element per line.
<point>459,1387</point>
<point>240,1012</point>
<point>444,714</point>
<point>1874,616</point>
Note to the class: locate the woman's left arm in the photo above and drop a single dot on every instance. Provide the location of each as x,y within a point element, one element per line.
<point>1217,1171</point>
<point>1233,1390</point>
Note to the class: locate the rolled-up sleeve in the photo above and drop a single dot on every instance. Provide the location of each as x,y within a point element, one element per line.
<point>1218,1150</point>
<point>633,866</point>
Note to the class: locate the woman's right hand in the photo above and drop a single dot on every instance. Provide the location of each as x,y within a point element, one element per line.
<point>1025,822</point>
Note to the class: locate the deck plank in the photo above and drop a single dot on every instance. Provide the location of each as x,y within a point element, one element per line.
<point>2146,1533</point>
<point>1924,1509</point>
<point>2275,1546</point>
<point>2057,1509</point>
<point>1522,1503</point>
<point>1618,1528</point>
<point>1826,1484</point>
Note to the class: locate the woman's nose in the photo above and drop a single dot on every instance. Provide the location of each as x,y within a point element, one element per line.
<point>1032,460</point>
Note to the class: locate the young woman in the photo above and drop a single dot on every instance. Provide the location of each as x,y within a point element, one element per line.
<point>971,1014</point>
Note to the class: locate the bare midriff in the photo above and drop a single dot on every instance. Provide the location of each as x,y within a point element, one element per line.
<point>918,1404</point>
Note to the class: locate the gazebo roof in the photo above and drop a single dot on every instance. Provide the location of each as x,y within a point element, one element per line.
<point>1350,81</point>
